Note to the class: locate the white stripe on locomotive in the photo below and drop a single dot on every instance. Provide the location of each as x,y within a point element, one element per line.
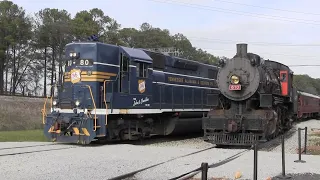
<point>106,64</point>
<point>129,111</point>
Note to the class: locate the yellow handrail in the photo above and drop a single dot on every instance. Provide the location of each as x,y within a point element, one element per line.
<point>44,110</point>
<point>95,108</point>
<point>105,101</point>
<point>51,100</point>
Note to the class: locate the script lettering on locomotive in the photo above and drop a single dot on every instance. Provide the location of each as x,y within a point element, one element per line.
<point>140,101</point>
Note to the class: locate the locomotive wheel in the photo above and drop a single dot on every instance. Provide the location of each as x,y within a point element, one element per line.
<point>277,127</point>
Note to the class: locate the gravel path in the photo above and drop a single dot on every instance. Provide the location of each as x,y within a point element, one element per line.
<point>193,142</point>
<point>269,165</point>
<point>101,162</point>
<point>291,143</point>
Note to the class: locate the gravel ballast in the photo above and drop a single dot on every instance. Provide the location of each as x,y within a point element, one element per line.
<point>100,162</point>
<point>291,143</point>
<point>107,161</point>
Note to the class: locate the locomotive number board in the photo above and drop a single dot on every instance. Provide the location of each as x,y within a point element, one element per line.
<point>234,87</point>
<point>81,62</point>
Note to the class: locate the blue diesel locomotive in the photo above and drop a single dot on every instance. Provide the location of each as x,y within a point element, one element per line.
<point>112,92</point>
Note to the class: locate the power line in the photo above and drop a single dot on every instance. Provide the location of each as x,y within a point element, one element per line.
<point>263,7</point>
<point>300,56</point>
<point>304,21</point>
<point>251,43</point>
<point>222,41</point>
<point>304,65</point>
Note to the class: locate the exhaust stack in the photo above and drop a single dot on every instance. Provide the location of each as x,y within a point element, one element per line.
<point>242,50</point>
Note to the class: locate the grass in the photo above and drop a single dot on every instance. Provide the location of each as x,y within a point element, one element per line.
<point>25,135</point>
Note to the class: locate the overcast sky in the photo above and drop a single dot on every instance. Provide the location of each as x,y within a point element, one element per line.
<point>216,25</point>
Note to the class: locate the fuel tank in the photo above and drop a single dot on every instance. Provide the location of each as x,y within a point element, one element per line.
<point>182,123</point>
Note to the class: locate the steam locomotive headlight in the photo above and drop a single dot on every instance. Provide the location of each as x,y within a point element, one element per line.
<point>77,102</point>
<point>235,79</point>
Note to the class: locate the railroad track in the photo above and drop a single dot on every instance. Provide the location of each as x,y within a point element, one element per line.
<point>31,151</point>
<point>130,175</point>
<point>267,146</point>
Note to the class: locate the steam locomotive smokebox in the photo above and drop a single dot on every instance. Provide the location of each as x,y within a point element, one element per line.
<point>242,49</point>
<point>241,67</point>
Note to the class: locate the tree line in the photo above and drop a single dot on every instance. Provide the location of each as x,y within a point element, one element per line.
<point>32,46</point>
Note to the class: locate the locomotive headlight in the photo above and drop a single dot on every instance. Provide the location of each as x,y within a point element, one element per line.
<point>54,102</point>
<point>74,55</point>
<point>77,102</point>
<point>235,79</point>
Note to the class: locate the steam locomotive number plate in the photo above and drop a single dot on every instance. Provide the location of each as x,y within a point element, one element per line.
<point>234,87</point>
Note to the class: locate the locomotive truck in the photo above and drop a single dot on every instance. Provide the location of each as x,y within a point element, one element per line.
<point>113,92</point>
<point>256,101</point>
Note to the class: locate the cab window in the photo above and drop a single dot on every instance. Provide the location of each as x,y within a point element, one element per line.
<point>142,70</point>
<point>283,77</point>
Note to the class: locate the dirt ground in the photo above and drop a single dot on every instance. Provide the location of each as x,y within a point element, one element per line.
<point>314,142</point>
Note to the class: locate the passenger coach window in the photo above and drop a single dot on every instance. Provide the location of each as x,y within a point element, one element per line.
<point>142,70</point>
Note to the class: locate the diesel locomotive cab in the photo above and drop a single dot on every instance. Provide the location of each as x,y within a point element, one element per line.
<point>100,80</point>
<point>73,114</point>
<point>79,77</point>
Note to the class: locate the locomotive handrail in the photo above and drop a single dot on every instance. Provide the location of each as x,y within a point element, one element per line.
<point>104,98</point>
<point>43,111</point>
<point>51,100</point>
<point>104,95</point>
<point>95,108</point>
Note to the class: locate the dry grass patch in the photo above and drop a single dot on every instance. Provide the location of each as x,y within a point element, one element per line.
<point>20,113</point>
<point>314,143</point>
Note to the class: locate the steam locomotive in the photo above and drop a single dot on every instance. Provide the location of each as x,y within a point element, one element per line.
<point>113,92</point>
<point>256,101</point>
